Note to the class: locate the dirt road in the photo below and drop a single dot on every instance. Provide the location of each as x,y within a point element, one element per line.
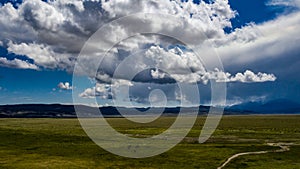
<point>283,147</point>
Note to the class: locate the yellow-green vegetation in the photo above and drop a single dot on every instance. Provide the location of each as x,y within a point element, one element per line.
<point>61,143</point>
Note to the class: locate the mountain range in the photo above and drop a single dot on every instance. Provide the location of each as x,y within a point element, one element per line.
<point>279,106</point>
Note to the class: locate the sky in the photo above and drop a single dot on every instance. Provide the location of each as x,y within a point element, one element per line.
<point>41,42</point>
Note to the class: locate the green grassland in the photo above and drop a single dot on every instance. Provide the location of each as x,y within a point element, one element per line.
<point>62,143</point>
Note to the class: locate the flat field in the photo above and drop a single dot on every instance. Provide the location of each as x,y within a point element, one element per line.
<point>62,143</point>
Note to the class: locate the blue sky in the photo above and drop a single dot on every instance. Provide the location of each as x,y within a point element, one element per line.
<point>33,86</point>
<point>255,11</point>
<point>38,80</point>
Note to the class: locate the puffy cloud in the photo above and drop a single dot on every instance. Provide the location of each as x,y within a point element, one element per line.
<point>41,54</point>
<point>17,63</point>
<point>248,77</point>
<point>218,76</point>
<point>58,29</point>
<point>54,32</point>
<point>41,15</point>
<point>133,93</point>
<point>159,65</point>
<point>47,27</point>
<point>88,93</point>
<point>174,60</point>
<point>65,86</point>
<point>105,91</point>
<point>215,15</point>
<point>10,24</point>
<point>102,91</point>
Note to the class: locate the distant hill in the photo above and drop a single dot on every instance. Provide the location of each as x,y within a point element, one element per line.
<point>279,106</point>
<point>37,110</point>
<point>57,111</point>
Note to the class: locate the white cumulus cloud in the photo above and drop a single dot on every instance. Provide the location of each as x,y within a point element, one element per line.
<point>248,77</point>
<point>65,86</point>
<point>41,54</point>
<point>17,63</point>
<point>52,34</point>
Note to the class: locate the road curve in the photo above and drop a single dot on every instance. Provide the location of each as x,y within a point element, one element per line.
<point>283,147</point>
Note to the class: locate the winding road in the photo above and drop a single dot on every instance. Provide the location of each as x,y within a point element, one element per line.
<point>283,147</point>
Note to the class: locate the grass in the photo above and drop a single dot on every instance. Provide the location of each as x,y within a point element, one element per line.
<point>61,143</point>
